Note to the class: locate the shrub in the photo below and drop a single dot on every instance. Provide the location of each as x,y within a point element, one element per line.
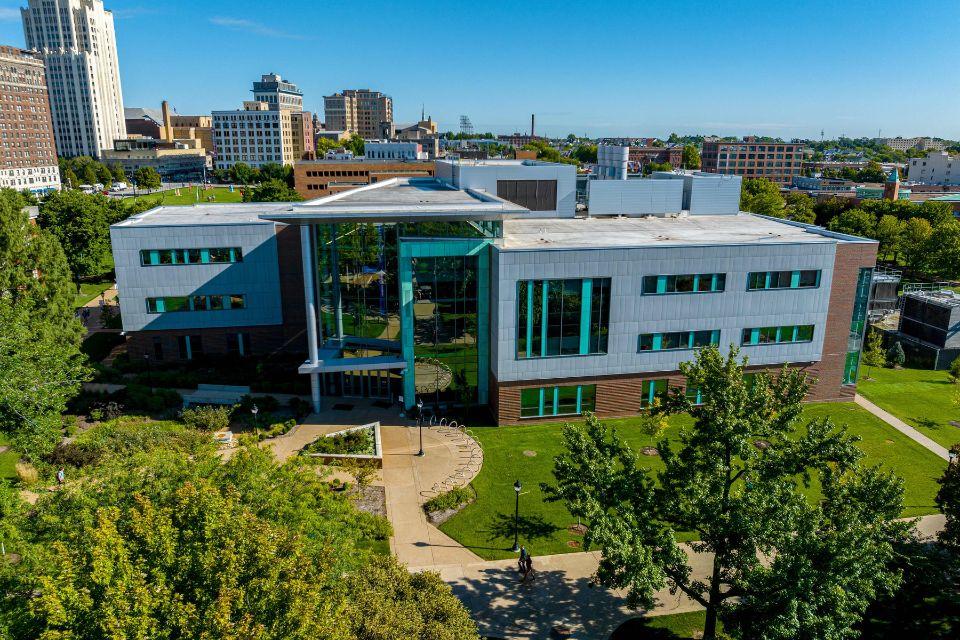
<point>362,471</point>
<point>359,441</point>
<point>26,472</point>
<point>265,404</point>
<point>207,417</point>
<point>895,355</point>
<point>105,411</point>
<point>449,500</point>
<point>954,371</point>
<point>278,428</point>
<point>300,407</point>
<point>153,400</point>
<point>128,436</point>
<point>71,454</point>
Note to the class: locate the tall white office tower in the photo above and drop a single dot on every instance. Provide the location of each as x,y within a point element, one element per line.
<point>79,49</point>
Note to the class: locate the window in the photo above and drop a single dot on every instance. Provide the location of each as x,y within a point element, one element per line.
<point>171,304</point>
<point>222,255</point>
<point>557,401</point>
<point>761,280</point>
<point>189,347</point>
<point>693,283</point>
<point>678,340</point>
<point>652,391</point>
<point>775,335</point>
<point>238,344</point>
<point>562,317</point>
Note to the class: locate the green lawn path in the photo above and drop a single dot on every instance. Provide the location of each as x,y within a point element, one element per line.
<point>486,525</point>
<point>920,397</point>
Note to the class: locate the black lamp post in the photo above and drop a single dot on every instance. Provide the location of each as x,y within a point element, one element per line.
<point>256,427</point>
<point>516,518</point>
<point>146,358</point>
<point>420,425</point>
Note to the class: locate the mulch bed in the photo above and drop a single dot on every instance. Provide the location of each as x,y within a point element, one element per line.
<point>373,500</point>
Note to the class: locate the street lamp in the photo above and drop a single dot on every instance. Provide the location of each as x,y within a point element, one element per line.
<point>146,358</point>
<point>254,410</point>
<point>516,518</point>
<point>420,425</point>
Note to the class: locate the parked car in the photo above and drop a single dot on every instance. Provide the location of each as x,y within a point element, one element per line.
<point>118,186</point>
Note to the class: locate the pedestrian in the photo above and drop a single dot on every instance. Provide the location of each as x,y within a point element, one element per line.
<point>60,476</point>
<point>522,560</point>
<point>528,569</point>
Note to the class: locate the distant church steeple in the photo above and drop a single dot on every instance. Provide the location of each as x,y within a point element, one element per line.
<point>891,188</point>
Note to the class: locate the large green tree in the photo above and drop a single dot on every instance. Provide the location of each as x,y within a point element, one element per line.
<point>780,562</point>
<point>855,222</point>
<point>40,362</point>
<point>691,157</point>
<point>759,195</point>
<point>271,191</point>
<point>81,223</point>
<point>948,499</point>
<point>182,544</point>
<point>147,178</point>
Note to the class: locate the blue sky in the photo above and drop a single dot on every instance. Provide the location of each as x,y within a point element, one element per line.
<point>606,68</point>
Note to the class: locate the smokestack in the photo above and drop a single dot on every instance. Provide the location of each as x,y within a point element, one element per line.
<point>533,122</point>
<point>167,127</point>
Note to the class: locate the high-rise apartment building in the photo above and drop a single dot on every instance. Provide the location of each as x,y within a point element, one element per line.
<point>28,159</point>
<point>77,42</point>
<point>360,111</point>
<point>272,128</point>
<point>750,158</point>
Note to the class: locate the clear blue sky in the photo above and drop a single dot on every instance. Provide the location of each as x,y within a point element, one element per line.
<point>601,68</point>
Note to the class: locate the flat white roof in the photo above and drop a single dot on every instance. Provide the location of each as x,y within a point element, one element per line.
<point>683,230</point>
<point>204,214</point>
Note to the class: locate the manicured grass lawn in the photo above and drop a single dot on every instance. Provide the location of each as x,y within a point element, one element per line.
<point>486,526</point>
<point>189,195</point>
<point>91,290</point>
<point>920,397</point>
<point>678,626</point>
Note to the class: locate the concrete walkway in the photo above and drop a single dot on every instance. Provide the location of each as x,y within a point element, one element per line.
<point>562,592</point>
<point>902,427</point>
<point>451,459</point>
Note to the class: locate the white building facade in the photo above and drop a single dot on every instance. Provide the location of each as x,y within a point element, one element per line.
<point>77,41</point>
<point>936,168</point>
<point>385,150</point>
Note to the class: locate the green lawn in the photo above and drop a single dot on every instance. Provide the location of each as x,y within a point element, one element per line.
<point>91,290</point>
<point>920,397</point>
<point>189,195</point>
<point>7,460</point>
<point>486,526</point>
<point>677,626</point>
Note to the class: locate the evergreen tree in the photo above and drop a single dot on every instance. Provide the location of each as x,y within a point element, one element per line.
<point>895,355</point>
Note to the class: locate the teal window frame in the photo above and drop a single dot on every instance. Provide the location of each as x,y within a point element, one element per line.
<point>685,340</point>
<point>198,303</point>
<point>779,280</point>
<point>557,401</point>
<point>786,334</point>
<point>658,285</point>
<point>593,317</point>
<point>191,256</point>
<point>651,390</point>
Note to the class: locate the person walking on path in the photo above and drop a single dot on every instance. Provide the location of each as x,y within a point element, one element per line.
<point>522,561</point>
<point>60,476</point>
<point>528,568</point>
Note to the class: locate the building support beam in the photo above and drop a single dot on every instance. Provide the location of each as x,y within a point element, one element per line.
<point>309,296</point>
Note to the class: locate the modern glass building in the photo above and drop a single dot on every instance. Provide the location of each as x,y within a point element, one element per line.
<point>482,286</point>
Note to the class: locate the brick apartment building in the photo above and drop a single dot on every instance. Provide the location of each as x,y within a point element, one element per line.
<point>642,156</point>
<point>319,178</point>
<point>28,157</point>
<point>750,158</point>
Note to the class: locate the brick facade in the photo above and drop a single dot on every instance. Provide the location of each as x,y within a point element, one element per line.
<point>319,178</point>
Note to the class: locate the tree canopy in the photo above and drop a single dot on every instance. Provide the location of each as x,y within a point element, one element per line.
<point>182,544</point>
<point>780,559</point>
<point>271,191</point>
<point>147,178</point>
<point>691,156</point>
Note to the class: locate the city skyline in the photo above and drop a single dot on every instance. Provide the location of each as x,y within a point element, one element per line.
<point>698,68</point>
